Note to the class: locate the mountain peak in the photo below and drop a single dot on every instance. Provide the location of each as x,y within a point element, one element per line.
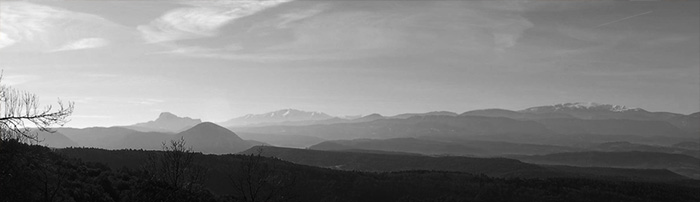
<point>167,115</point>
<point>374,115</point>
<point>209,137</point>
<point>368,118</point>
<point>206,126</point>
<point>166,122</point>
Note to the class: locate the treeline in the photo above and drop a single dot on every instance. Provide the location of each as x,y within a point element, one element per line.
<point>36,173</point>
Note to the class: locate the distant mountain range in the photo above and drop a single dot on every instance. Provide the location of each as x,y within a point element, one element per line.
<point>411,127</point>
<point>435,113</point>
<point>579,110</point>
<point>571,125</point>
<point>280,116</point>
<point>562,124</point>
<point>593,111</point>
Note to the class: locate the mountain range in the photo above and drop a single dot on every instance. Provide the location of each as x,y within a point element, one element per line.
<point>575,125</point>
<point>594,111</point>
<point>578,111</point>
<point>276,117</point>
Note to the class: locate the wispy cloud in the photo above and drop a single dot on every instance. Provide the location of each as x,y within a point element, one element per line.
<point>148,101</point>
<point>295,16</point>
<point>86,43</point>
<point>35,27</point>
<point>201,19</point>
<point>13,80</point>
<point>625,18</point>
<point>506,35</point>
<point>330,31</point>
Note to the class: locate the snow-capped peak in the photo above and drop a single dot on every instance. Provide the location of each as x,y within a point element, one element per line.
<point>283,115</point>
<point>583,106</point>
<point>591,105</point>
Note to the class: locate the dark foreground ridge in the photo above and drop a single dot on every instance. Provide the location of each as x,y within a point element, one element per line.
<point>36,173</point>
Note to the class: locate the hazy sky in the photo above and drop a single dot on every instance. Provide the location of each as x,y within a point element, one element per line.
<point>124,62</point>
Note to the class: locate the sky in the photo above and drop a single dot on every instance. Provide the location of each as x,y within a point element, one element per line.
<point>124,62</point>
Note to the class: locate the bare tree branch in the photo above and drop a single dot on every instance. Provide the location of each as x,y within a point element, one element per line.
<point>20,112</point>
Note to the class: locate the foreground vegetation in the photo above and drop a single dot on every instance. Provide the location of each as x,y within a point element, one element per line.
<point>36,173</point>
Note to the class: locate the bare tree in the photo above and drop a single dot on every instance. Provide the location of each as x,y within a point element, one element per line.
<point>20,108</point>
<point>175,166</point>
<point>258,181</point>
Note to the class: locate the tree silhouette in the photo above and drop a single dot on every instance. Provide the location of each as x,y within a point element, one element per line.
<point>259,181</point>
<point>175,166</point>
<point>20,111</point>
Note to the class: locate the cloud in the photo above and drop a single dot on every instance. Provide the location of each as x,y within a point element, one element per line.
<point>291,17</point>
<point>28,26</point>
<point>5,40</point>
<point>148,101</point>
<point>338,31</point>
<point>14,80</point>
<point>506,35</point>
<point>83,44</point>
<point>201,19</point>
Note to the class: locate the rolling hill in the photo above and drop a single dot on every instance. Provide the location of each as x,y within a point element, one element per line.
<point>210,138</point>
<point>497,167</point>
<point>514,114</point>
<point>443,146</point>
<point>681,164</point>
<point>408,145</point>
<point>614,127</point>
<point>100,137</point>
<point>323,184</point>
<point>55,140</point>
<point>362,161</point>
<point>627,146</point>
<point>296,141</point>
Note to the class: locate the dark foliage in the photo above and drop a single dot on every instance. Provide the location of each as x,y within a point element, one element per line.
<point>27,171</point>
<point>36,173</point>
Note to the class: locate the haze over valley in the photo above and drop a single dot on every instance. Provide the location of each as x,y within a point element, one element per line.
<point>560,129</point>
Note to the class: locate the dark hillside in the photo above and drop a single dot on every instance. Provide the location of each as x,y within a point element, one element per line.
<point>682,164</point>
<point>363,161</point>
<point>319,184</point>
<point>495,167</point>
